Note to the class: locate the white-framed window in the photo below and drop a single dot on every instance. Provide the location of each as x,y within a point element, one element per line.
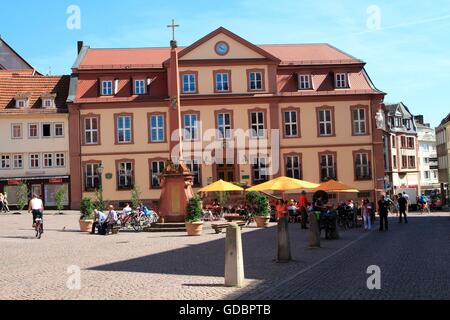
<point>194,167</point>
<point>107,88</point>
<point>341,80</point>
<point>223,82</point>
<point>426,175</point>
<point>21,103</point>
<point>46,129</point>
<point>157,133</point>
<point>58,130</point>
<point>48,160</point>
<point>224,125</point>
<point>91,130</point>
<point>293,167</point>
<point>257,124</point>
<point>33,130</point>
<point>92,178</point>
<point>34,161</point>
<point>359,121</point>
<point>255,79</point>
<point>17,161</point>
<point>435,174</point>
<point>190,127</point>
<point>124,134</point>
<point>60,160</point>
<point>304,82</point>
<point>5,161</point>
<point>125,175</point>
<point>325,123</point>
<point>189,83</point>
<point>16,131</point>
<point>362,166</point>
<point>260,169</point>
<point>290,124</point>
<point>157,168</point>
<point>327,167</point>
<point>47,103</point>
<point>139,86</point>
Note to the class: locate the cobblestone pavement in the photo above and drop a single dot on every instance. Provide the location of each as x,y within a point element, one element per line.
<point>414,260</point>
<point>173,266</point>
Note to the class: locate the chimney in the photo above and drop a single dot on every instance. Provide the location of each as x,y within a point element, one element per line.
<point>419,119</point>
<point>80,46</point>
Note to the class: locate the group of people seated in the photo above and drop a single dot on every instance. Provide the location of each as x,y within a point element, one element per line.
<point>104,223</point>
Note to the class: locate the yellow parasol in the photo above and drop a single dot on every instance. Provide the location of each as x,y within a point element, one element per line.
<point>283,184</point>
<point>221,186</point>
<point>335,186</point>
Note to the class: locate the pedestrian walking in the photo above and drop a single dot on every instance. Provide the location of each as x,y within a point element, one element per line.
<point>366,210</point>
<point>383,210</point>
<point>402,206</point>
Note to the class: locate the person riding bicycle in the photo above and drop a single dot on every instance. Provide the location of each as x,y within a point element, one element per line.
<point>36,206</point>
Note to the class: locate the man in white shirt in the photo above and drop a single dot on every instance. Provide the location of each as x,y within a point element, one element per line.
<point>99,222</point>
<point>36,206</point>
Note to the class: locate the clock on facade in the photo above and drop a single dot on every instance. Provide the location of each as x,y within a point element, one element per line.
<point>222,48</point>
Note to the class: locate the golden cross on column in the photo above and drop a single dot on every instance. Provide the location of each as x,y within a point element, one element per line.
<point>173,26</point>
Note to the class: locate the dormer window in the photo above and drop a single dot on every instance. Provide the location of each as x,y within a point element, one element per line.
<point>341,80</point>
<point>22,100</point>
<point>21,103</point>
<point>107,88</point>
<point>48,100</point>
<point>304,82</point>
<point>139,87</point>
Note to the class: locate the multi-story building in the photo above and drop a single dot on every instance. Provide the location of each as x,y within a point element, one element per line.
<point>310,108</point>
<point>401,150</point>
<point>34,135</point>
<point>428,160</point>
<point>443,153</point>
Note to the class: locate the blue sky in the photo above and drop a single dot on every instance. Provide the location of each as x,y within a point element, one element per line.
<point>408,56</point>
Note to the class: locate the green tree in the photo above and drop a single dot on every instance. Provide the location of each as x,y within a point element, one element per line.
<point>60,195</point>
<point>86,209</point>
<point>99,203</point>
<point>135,197</point>
<point>194,210</point>
<point>22,196</point>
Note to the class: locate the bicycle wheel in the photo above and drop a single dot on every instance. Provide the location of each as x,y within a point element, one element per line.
<point>137,225</point>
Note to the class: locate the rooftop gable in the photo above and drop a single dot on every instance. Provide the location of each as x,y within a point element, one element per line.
<point>10,59</point>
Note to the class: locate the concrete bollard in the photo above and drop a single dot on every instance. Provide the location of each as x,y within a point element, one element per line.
<point>234,259</point>
<point>284,243</point>
<point>314,231</point>
<point>335,233</point>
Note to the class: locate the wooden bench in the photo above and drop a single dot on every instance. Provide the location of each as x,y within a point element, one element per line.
<point>234,218</point>
<point>219,227</point>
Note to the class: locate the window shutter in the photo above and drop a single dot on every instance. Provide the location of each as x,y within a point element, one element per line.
<point>116,86</point>
<point>149,81</point>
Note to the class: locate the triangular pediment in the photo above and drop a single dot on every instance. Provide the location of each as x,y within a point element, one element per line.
<point>236,48</point>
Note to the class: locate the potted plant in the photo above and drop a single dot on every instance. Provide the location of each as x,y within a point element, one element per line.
<point>86,218</point>
<point>194,223</point>
<point>59,198</point>
<point>260,206</point>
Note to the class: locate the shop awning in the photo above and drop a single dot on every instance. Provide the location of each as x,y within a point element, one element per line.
<point>33,178</point>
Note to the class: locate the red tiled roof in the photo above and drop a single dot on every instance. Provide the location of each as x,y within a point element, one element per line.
<point>123,58</point>
<point>297,54</point>
<point>10,73</point>
<point>309,54</point>
<point>36,86</point>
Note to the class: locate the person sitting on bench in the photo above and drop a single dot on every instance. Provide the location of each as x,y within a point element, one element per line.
<point>99,222</point>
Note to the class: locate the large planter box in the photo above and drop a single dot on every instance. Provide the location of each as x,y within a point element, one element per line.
<point>262,222</point>
<point>194,228</point>
<point>86,225</point>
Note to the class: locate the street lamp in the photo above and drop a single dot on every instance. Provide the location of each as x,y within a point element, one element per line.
<point>100,169</point>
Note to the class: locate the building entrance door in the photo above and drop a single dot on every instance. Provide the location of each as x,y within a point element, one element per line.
<point>36,189</point>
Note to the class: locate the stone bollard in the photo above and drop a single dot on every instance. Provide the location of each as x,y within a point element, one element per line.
<point>234,260</point>
<point>284,243</point>
<point>335,233</point>
<point>314,231</point>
